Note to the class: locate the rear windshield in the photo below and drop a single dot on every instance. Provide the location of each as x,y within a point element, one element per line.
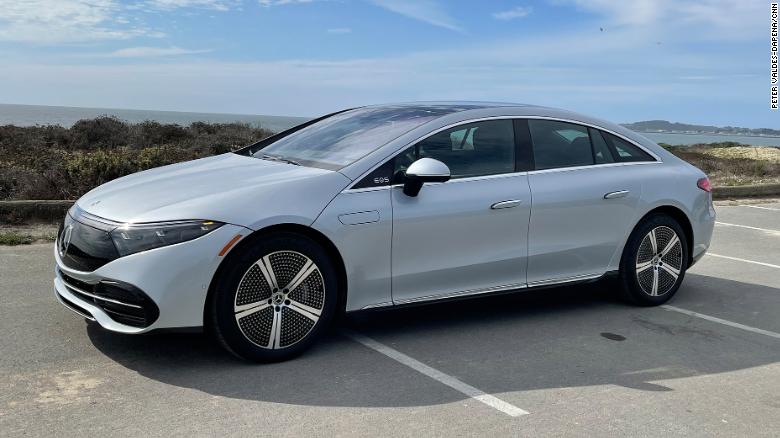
<point>342,139</point>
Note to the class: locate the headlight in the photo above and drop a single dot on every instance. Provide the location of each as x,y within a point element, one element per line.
<point>130,239</point>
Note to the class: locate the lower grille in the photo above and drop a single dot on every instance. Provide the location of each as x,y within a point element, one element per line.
<point>75,307</point>
<point>122,302</point>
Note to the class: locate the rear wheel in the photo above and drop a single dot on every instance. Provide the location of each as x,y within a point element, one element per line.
<point>654,261</point>
<point>275,299</point>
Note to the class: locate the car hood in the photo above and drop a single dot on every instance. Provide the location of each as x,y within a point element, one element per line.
<point>227,188</point>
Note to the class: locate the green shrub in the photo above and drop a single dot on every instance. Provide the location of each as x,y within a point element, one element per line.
<point>52,162</point>
<point>89,169</point>
<point>104,131</point>
<point>156,156</point>
<point>152,133</point>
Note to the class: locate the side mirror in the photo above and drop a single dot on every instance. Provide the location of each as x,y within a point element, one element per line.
<point>422,171</point>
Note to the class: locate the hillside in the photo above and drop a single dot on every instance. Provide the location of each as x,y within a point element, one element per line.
<point>674,127</point>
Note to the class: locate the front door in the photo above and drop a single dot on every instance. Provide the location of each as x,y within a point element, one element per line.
<point>467,235</point>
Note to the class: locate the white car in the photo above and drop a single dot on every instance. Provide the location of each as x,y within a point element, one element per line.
<point>376,207</point>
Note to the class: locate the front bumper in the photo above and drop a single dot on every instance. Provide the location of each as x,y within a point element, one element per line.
<point>175,278</point>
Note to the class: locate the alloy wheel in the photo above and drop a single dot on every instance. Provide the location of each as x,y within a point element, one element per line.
<point>279,299</point>
<point>659,261</point>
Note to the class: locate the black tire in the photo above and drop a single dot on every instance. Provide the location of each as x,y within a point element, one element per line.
<point>244,284</point>
<point>643,272</point>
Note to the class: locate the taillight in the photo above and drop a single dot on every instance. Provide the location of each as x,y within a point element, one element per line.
<point>704,184</point>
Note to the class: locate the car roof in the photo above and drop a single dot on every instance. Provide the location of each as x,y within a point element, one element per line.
<point>454,112</point>
<point>452,105</point>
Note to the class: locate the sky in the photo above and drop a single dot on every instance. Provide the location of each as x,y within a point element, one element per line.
<point>694,61</point>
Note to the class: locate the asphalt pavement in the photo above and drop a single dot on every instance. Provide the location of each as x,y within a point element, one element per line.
<point>568,361</point>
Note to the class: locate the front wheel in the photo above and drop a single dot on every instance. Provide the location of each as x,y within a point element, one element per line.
<point>654,261</point>
<point>275,298</point>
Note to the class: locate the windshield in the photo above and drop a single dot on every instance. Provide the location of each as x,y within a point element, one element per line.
<point>343,138</point>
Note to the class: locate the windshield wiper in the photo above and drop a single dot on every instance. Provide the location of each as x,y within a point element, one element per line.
<point>281,159</point>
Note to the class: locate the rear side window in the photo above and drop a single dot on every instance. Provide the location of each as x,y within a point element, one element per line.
<point>560,144</point>
<point>624,151</point>
<point>601,152</point>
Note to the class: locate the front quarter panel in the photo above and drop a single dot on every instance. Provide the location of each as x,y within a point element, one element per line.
<point>295,202</point>
<point>360,225</point>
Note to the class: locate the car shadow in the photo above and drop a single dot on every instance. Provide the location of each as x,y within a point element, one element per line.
<point>549,338</point>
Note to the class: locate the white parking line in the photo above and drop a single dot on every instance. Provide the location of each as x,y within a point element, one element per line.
<point>452,382</point>
<point>769,265</point>
<point>748,227</point>
<point>760,206</point>
<point>722,321</point>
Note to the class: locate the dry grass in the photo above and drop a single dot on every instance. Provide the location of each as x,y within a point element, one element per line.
<point>734,166</point>
<point>746,152</point>
<point>26,234</point>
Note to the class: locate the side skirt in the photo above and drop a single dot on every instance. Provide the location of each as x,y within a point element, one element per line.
<point>500,290</point>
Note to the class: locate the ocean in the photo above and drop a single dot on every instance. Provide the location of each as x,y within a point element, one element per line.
<point>29,115</point>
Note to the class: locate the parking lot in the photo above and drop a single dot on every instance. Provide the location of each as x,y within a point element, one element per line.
<point>566,361</point>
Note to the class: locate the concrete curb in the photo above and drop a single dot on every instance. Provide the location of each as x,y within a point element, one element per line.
<point>17,212</point>
<point>750,191</point>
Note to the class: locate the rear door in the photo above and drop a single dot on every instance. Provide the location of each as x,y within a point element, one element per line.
<point>584,199</point>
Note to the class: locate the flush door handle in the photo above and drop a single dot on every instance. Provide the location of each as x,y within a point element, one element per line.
<point>618,194</point>
<point>505,204</point>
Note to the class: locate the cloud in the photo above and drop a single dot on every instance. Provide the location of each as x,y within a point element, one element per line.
<point>77,21</point>
<point>511,14</point>
<point>633,79</point>
<point>719,19</point>
<point>427,11</point>
<point>142,52</point>
<point>339,30</point>
<point>65,21</point>
<point>621,86</point>
<point>218,5</point>
<point>269,3</point>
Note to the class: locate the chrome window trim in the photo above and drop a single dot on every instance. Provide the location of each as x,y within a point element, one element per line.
<point>453,181</point>
<point>481,119</point>
<point>367,189</point>
<point>591,166</point>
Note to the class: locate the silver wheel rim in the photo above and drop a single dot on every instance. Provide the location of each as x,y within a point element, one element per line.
<point>279,300</point>
<point>659,261</point>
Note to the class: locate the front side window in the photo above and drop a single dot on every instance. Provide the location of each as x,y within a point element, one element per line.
<point>473,149</point>
<point>560,144</point>
<point>343,138</point>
